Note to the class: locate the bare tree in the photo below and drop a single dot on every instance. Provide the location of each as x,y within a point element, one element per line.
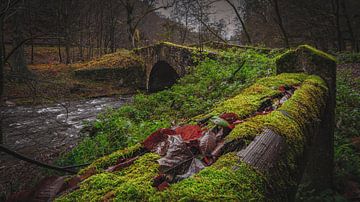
<point>238,15</point>
<point>18,63</point>
<point>279,20</point>
<point>6,9</point>
<point>135,14</point>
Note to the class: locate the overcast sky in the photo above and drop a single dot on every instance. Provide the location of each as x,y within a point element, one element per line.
<point>221,10</point>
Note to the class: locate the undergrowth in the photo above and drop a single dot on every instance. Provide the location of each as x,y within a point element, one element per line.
<point>211,81</point>
<point>348,57</point>
<point>346,156</point>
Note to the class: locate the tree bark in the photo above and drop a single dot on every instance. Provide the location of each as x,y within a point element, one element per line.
<point>241,21</point>
<point>349,25</point>
<point>19,65</point>
<point>264,151</point>
<point>338,27</point>
<point>1,72</point>
<point>281,23</point>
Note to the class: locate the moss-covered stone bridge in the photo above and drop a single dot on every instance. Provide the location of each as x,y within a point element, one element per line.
<point>153,68</point>
<point>285,138</point>
<point>165,62</point>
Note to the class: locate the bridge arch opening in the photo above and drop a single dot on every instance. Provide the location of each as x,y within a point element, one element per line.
<point>162,75</point>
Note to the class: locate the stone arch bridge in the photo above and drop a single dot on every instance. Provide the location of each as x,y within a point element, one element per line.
<point>161,65</point>
<point>164,63</point>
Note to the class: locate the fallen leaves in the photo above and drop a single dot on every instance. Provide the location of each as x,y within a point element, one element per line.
<point>207,143</point>
<point>176,155</point>
<point>189,132</point>
<point>186,150</point>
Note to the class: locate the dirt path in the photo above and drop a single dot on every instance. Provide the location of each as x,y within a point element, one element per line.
<point>42,133</point>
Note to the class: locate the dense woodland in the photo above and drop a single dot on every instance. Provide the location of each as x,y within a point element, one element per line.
<point>43,42</point>
<point>85,29</point>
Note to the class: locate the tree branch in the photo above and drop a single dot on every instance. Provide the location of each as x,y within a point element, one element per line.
<point>17,155</point>
<point>241,20</point>
<point>212,31</point>
<point>9,5</point>
<point>18,46</point>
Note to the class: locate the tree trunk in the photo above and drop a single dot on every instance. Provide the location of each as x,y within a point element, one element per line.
<point>338,28</point>
<point>348,23</point>
<point>241,21</point>
<point>18,58</point>
<point>280,23</point>
<point>185,30</point>
<point>67,50</point>
<point>32,51</point>
<point>1,72</point>
<point>59,50</point>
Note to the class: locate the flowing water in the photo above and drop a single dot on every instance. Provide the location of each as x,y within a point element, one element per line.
<point>42,133</point>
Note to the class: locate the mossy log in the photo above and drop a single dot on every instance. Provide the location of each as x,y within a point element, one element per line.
<point>268,153</point>
<point>319,171</point>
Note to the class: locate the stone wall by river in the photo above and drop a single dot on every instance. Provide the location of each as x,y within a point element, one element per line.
<point>42,133</point>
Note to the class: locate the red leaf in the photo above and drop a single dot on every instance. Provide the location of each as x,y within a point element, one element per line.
<point>208,160</point>
<point>230,117</point>
<point>159,179</point>
<point>177,154</point>
<point>189,132</point>
<point>151,142</point>
<point>282,89</point>
<point>163,186</point>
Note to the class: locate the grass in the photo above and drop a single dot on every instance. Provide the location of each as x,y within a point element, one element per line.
<point>347,152</point>
<point>210,82</point>
<point>347,156</point>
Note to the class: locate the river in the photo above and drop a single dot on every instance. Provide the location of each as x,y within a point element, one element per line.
<point>43,133</point>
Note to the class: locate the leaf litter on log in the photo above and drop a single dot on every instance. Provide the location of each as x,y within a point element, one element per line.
<point>186,150</point>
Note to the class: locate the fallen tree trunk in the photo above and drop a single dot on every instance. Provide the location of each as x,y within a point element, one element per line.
<point>263,158</point>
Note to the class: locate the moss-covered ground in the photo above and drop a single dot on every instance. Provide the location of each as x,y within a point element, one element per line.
<point>228,178</point>
<point>120,59</point>
<point>209,83</point>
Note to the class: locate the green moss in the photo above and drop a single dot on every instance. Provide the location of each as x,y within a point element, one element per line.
<point>293,121</point>
<point>164,43</point>
<point>308,59</point>
<point>250,100</point>
<point>132,183</point>
<point>283,79</point>
<point>137,180</point>
<point>167,43</point>
<point>111,159</point>
<point>227,180</point>
<point>317,52</point>
<point>120,59</point>
<point>304,107</point>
